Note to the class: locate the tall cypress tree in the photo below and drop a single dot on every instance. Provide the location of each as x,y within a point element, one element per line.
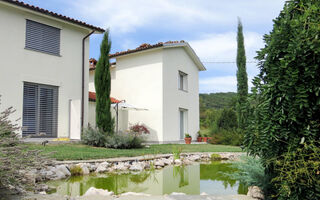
<point>102,82</point>
<point>242,78</point>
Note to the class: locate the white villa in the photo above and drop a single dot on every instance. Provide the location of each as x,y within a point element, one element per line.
<point>163,80</point>
<point>45,77</point>
<point>44,70</point>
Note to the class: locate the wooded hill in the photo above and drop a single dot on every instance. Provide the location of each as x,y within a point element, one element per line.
<point>217,100</point>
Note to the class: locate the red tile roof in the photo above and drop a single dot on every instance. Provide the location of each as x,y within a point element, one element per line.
<point>143,47</point>
<point>92,97</point>
<point>93,63</point>
<point>53,14</point>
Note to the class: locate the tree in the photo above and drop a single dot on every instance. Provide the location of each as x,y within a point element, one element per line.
<point>242,79</point>
<point>284,124</point>
<point>102,82</point>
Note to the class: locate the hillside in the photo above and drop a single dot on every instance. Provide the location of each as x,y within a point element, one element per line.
<point>217,100</point>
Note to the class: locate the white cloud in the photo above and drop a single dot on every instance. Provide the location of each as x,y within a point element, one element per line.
<point>220,84</point>
<point>127,15</point>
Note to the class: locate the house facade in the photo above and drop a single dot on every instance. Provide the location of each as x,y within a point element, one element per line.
<point>163,79</point>
<point>43,75</point>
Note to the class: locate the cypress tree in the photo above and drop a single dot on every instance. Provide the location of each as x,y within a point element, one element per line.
<point>242,78</point>
<point>102,82</point>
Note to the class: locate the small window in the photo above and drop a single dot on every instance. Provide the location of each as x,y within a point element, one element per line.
<point>43,38</point>
<point>183,81</point>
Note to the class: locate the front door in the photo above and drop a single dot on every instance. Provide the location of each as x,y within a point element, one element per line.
<point>40,110</point>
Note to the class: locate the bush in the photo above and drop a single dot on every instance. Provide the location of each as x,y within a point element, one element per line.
<point>227,119</point>
<point>76,170</point>
<point>250,171</point>
<point>15,160</point>
<point>124,141</point>
<point>227,137</point>
<point>139,129</point>
<point>215,157</point>
<point>93,137</point>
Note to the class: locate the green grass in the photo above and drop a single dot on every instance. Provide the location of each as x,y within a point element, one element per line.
<point>84,152</point>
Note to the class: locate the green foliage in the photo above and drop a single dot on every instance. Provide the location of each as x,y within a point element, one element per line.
<point>16,161</point>
<point>176,151</point>
<point>93,137</point>
<point>102,82</point>
<point>227,119</point>
<point>217,100</point>
<point>293,168</point>
<point>124,141</point>
<point>242,79</point>
<point>76,170</point>
<point>284,108</point>
<point>227,137</point>
<point>187,135</point>
<point>215,157</point>
<point>250,171</point>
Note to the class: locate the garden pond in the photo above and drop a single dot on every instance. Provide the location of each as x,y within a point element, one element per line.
<point>209,178</point>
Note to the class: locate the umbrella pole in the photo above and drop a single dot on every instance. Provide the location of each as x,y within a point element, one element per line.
<point>117,111</point>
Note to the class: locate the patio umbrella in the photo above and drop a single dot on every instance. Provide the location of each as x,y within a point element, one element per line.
<point>122,105</point>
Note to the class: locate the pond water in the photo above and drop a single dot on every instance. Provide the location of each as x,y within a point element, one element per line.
<point>192,179</point>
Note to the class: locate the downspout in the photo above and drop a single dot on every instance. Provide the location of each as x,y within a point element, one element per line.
<point>83,72</point>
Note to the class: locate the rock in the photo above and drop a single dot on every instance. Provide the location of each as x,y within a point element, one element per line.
<point>92,167</point>
<point>187,162</point>
<point>177,162</point>
<point>84,168</point>
<point>136,167</point>
<point>99,192</point>
<point>41,187</point>
<point>42,192</point>
<point>102,167</point>
<point>168,161</point>
<point>203,193</point>
<point>255,192</point>
<point>177,193</point>
<point>63,169</point>
<point>30,176</point>
<point>194,158</point>
<point>159,163</point>
<point>135,194</point>
<point>147,165</point>
<point>120,166</point>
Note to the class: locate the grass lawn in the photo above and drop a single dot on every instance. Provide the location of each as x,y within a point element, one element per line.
<point>83,152</point>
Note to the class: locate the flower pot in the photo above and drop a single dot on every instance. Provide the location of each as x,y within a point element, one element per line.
<point>209,139</point>
<point>188,140</point>
<point>204,139</point>
<point>199,139</point>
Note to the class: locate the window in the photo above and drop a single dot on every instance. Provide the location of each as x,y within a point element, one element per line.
<point>40,110</point>
<point>183,81</point>
<point>43,38</point>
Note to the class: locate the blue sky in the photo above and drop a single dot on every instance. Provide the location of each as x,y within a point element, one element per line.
<point>208,25</point>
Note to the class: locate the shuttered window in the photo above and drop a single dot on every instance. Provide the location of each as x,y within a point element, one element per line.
<point>41,37</point>
<point>40,110</point>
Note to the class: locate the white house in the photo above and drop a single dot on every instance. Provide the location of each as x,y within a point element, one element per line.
<point>162,78</point>
<point>44,69</point>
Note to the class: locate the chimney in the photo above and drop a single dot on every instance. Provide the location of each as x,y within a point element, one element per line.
<point>92,64</point>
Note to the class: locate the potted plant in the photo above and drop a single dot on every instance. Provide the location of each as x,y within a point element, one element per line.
<point>187,138</point>
<point>199,138</point>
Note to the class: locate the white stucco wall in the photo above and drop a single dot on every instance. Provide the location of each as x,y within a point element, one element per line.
<point>138,80</point>
<point>175,60</point>
<point>19,65</point>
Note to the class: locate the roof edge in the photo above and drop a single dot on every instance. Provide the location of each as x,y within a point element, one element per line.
<point>39,10</point>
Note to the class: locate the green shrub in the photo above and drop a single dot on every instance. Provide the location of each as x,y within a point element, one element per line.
<point>76,170</point>
<point>250,171</point>
<point>215,157</point>
<point>93,137</point>
<point>227,119</point>
<point>124,141</point>
<point>227,137</point>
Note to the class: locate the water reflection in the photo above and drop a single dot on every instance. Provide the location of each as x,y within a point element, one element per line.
<point>192,179</point>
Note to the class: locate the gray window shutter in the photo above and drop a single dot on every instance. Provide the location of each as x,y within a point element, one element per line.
<point>40,110</point>
<point>41,37</point>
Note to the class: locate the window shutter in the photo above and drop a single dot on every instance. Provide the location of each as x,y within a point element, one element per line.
<point>41,37</point>
<point>40,110</point>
